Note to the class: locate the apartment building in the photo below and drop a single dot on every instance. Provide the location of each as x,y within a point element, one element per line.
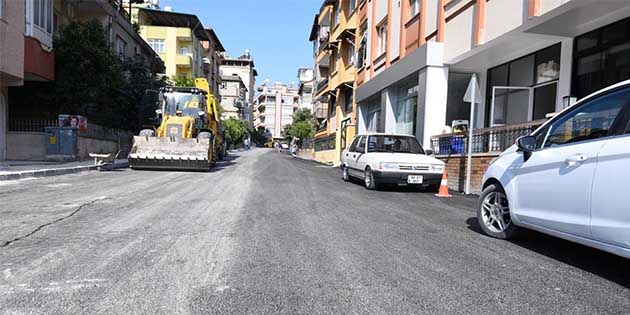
<point>274,107</point>
<point>334,37</point>
<point>177,38</point>
<point>532,59</point>
<point>243,66</point>
<point>234,97</point>
<point>27,60</point>
<point>213,55</point>
<point>306,85</point>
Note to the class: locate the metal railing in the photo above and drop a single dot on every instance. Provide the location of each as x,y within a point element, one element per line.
<point>325,143</point>
<point>31,125</point>
<point>486,140</point>
<point>321,85</point>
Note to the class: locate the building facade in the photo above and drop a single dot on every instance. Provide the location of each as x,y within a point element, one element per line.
<point>177,38</point>
<point>532,59</point>
<point>213,52</point>
<point>306,81</point>
<point>27,59</point>
<point>243,66</point>
<point>334,37</point>
<point>274,107</point>
<point>234,98</point>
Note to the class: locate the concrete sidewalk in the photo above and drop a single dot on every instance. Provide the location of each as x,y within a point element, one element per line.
<point>12,170</point>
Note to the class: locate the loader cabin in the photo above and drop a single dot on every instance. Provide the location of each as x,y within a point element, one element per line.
<point>183,101</point>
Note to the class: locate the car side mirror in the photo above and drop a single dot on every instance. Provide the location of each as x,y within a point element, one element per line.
<point>527,144</point>
<point>428,152</point>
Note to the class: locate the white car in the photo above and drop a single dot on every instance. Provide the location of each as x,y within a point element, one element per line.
<point>568,177</point>
<point>390,159</point>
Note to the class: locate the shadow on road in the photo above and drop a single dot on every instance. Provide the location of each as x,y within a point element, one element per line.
<point>227,161</point>
<point>603,264</point>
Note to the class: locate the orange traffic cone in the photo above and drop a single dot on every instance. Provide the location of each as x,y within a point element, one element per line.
<point>443,193</point>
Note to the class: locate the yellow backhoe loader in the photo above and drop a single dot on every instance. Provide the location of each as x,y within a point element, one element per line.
<point>189,136</point>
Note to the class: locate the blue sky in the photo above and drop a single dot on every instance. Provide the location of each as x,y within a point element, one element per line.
<point>275,31</point>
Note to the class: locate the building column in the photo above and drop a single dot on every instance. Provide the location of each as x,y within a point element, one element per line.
<point>4,111</point>
<point>566,68</point>
<point>361,118</point>
<point>388,120</point>
<point>432,99</point>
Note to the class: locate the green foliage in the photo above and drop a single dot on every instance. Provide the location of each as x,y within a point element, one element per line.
<point>91,80</point>
<point>183,81</point>
<point>258,136</point>
<point>235,131</point>
<point>303,126</point>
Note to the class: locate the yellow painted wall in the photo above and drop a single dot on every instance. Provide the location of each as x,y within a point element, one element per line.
<point>175,38</point>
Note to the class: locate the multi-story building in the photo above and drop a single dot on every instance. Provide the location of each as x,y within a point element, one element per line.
<point>306,86</point>
<point>274,107</point>
<point>27,59</point>
<point>334,40</point>
<point>532,58</point>
<point>213,51</point>
<point>234,98</point>
<point>243,67</point>
<point>177,38</point>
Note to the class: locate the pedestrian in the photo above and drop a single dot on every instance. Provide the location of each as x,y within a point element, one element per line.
<point>279,147</point>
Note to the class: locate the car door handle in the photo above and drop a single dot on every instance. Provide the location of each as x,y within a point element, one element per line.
<point>575,159</point>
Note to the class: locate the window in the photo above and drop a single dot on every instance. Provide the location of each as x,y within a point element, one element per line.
<point>601,58</point>
<point>590,121</point>
<point>157,45</point>
<point>183,50</point>
<point>381,31</point>
<point>337,14</point>
<point>362,55</point>
<point>361,146</point>
<point>2,8</point>
<point>335,61</point>
<point>414,7</point>
<point>350,55</point>
<point>353,146</point>
<point>42,14</point>
<point>121,46</point>
<point>352,4</point>
<point>394,144</point>
<point>348,100</point>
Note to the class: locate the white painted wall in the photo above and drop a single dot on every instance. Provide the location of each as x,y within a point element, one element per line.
<point>503,16</point>
<point>459,34</point>
<point>362,118</point>
<point>566,68</point>
<point>381,9</point>
<point>548,5</point>
<point>432,99</point>
<point>394,30</point>
<point>388,102</point>
<point>432,12</point>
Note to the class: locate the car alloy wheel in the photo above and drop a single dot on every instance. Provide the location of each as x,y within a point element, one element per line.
<point>345,175</point>
<point>370,183</point>
<point>495,212</point>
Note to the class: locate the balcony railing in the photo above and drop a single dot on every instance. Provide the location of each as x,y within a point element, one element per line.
<point>486,140</point>
<point>322,85</point>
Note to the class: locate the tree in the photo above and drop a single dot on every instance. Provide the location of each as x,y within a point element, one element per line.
<point>183,81</point>
<point>302,127</point>
<point>235,131</point>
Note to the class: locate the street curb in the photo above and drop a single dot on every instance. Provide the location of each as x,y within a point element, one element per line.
<point>312,160</point>
<point>55,171</point>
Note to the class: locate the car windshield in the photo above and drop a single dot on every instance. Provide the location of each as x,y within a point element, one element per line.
<point>189,104</point>
<point>394,144</point>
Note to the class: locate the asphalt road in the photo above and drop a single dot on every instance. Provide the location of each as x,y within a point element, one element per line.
<point>267,233</point>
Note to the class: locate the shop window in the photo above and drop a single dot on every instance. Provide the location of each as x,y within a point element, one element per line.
<point>406,109</point>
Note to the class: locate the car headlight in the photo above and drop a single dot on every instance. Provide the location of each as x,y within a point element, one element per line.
<point>388,166</point>
<point>437,168</point>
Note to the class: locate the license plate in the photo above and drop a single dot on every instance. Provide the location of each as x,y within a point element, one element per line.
<point>414,179</point>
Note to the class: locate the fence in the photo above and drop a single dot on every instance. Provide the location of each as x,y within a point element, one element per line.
<point>31,125</point>
<point>323,144</point>
<point>485,140</point>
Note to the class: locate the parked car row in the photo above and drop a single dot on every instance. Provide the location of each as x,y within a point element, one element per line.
<point>566,179</point>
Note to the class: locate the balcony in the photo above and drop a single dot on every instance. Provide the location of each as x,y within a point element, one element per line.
<point>322,86</point>
<point>486,140</point>
<point>184,34</point>
<point>39,65</point>
<point>184,61</point>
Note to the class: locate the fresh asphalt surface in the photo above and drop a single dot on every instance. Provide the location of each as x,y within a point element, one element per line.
<point>268,233</point>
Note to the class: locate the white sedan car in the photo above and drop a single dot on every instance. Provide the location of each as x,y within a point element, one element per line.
<point>567,178</point>
<point>390,159</point>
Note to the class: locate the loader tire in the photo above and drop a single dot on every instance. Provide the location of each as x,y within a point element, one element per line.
<point>147,133</point>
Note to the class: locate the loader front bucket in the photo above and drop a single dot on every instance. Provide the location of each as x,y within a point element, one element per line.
<point>170,153</point>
